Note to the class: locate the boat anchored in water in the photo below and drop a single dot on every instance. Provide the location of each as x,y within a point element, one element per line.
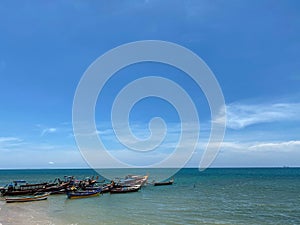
<point>83,194</point>
<point>120,190</point>
<point>170,182</point>
<point>36,197</point>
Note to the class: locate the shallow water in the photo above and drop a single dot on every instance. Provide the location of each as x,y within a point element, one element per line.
<point>215,196</point>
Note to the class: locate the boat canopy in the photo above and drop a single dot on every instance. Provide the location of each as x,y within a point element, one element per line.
<point>19,181</point>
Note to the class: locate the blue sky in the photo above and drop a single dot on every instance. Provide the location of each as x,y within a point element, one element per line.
<point>253,48</point>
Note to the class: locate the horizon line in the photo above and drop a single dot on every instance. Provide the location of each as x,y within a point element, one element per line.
<point>86,168</point>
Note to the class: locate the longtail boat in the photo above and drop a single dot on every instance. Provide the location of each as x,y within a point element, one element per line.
<point>170,182</point>
<point>18,188</point>
<point>131,180</point>
<point>38,197</point>
<point>121,190</point>
<point>83,194</point>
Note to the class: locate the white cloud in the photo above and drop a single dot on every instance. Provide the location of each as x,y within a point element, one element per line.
<point>242,115</point>
<point>9,139</point>
<point>48,130</point>
<point>258,154</point>
<point>284,146</point>
<point>280,146</point>
<point>10,142</point>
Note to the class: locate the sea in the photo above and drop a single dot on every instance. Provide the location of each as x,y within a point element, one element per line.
<point>214,196</point>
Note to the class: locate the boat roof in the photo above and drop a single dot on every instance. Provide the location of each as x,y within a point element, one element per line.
<point>32,185</point>
<point>19,181</point>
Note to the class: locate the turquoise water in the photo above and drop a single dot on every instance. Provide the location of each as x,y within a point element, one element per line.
<point>215,196</point>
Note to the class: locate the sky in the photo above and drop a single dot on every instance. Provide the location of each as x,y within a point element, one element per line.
<point>252,47</point>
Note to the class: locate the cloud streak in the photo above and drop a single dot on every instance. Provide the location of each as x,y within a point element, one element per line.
<point>10,142</point>
<point>283,146</point>
<point>242,115</point>
<point>9,139</point>
<point>279,146</point>
<point>48,131</point>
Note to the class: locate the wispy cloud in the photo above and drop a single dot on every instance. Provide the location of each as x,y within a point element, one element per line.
<point>283,146</point>
<point>10,142</point>
<point>279,146</point>
<point>242,115</point>
<point>9,139</point>
<point>14,144</point>
<point>48,130</point>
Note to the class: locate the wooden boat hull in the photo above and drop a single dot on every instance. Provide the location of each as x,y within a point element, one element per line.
<point>105,189</point>
<point>28,199</point>
<point>55,190</point>
<point>131,180</point>
<point>82,194</point>
<point>59,192</point>
<point>15,193</point>
<point>163,183</point>
<point>124,190</point>
<point>30,189</point>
